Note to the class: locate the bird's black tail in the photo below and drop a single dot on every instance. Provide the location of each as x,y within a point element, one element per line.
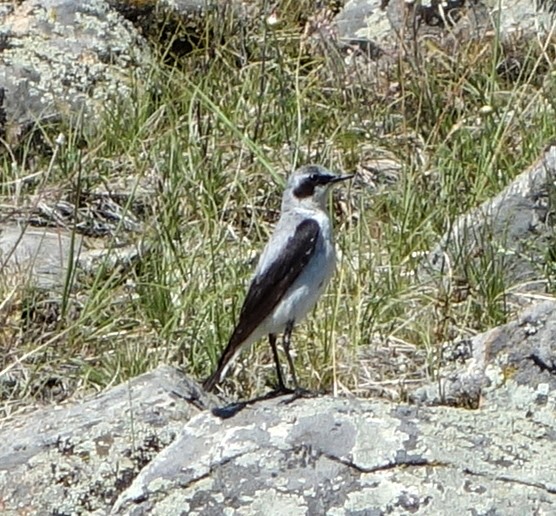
<point>213,380</point>
<point>236,340</point>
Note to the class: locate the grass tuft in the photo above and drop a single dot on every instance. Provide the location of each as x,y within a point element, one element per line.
<point>195,159</point>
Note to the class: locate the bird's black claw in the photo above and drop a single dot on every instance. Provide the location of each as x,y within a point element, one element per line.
<point>280,390</point>
<point>300,392</point>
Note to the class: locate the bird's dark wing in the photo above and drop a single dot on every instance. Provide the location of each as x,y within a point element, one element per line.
<point>268,288</point>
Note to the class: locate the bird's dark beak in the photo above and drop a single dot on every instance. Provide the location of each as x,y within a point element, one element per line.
<point>337,179</point>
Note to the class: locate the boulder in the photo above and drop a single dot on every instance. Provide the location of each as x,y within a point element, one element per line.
<point>76,459</point>
<point>348,456</point>
<point>43,257</point>
<point>156,446</point>
<point>62,59</point>
<point>513,231</point>
<point>512,366</point>
<point>375,26</point>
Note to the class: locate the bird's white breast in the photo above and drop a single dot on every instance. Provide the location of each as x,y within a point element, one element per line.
<point>302,296</point>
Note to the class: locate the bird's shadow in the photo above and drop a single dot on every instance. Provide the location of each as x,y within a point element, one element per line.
<point>230,410</point>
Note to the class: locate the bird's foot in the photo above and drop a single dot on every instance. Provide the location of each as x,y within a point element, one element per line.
<point>280,390</point>
<point>298,393</point>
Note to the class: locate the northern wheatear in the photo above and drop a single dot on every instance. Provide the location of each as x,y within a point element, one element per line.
<point>293,270</point>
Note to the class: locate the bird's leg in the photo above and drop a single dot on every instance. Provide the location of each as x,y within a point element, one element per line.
<point>286,343</point>
<point>298,392</point>
<point>281,385</point>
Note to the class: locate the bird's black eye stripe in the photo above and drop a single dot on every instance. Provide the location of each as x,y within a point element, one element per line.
<point>307,187</point>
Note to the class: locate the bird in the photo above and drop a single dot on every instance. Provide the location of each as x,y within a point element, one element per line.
<point>293,270</point>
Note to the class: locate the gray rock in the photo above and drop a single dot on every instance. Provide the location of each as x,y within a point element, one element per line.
<point>511,230</point>
<point>76,459</point>
<point>365,25</point>
<point>339,456</point>
<point>146,447</point>
<point>523,16</point>
<point>63,58</point>
<point>43,257</point>
<point>377,23</point>
<point>512,366</point>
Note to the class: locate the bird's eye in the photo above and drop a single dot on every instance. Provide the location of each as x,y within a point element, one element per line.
<point>314,178</point>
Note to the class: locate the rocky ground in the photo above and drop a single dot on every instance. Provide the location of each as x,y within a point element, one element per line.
<point>476,437</point>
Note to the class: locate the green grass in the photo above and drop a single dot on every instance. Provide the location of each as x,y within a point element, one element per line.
<point>201,148</point>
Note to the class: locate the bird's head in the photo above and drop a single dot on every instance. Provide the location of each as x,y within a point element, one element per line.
<point>308,187</point>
